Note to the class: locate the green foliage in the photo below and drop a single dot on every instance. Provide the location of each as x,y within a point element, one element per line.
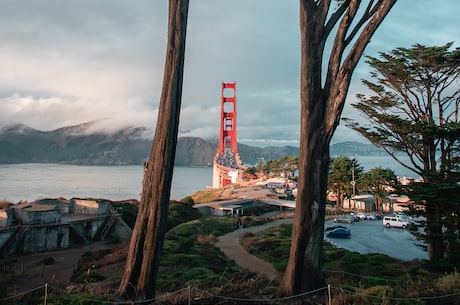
<point>198,274</point>
<point>371,281</point>
<point>128,212</point>
<point>214,226</point>
<point>47,261</point>
<point>181,212</point>
<point>260,209</point>
<point>186,259</point>
<point>82,298</point>
<point>414,109</point>
<point>285,165</point>
<point>189,260</point>
<point>379,182</point>
<point>342,171</point>
<point>88,276</point>
<point>188,200</point>
<point>272,245</point>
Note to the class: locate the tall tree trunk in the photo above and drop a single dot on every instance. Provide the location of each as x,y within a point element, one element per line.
<point>142,264</point>
<point>322,101</point>
<point>303,272</point>
<point>434,232</point>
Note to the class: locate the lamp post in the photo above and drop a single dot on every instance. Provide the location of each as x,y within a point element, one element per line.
<point>353,184</point>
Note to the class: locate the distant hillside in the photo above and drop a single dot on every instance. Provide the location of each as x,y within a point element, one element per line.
<point>77,145</point>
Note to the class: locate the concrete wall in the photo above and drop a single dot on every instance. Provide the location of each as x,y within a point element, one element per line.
<point>7,218</point>
<point>89,227</point>
<point>38,217</point>
<point>121,230</point>
<point>89,207</point>
<point>39,228</point>
<point>62,205</point>
<point>5,235</point>
<point>44,238</point>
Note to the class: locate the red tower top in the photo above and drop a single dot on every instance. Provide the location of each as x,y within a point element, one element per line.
<point>227,137</point>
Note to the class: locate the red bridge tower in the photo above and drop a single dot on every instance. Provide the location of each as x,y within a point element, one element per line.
<point>227,137</point>
<point>227,164</point>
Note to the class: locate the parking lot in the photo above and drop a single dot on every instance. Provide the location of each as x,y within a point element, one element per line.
<point>370,236</point>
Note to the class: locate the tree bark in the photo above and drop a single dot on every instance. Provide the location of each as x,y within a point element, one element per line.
<point>321,108</point>
<point>142,264</point>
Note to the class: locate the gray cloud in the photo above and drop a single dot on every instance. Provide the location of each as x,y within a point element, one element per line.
<point>69,62</point>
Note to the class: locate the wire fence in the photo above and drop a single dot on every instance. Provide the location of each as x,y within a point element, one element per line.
<point>190,295</point>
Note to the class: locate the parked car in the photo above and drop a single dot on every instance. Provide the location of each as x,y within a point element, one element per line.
<point>339,232</point>
<point>355,217</point>
<point>371,216</point>
<point>345,219</point>
<point>335,227</point>
<point>397,222</point>
<point>361,216</point>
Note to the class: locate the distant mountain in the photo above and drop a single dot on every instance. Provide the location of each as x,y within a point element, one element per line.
<point>79,145</point>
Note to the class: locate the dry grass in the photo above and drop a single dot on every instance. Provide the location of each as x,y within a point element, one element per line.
<point>4,204</point>
<point>206,195</point>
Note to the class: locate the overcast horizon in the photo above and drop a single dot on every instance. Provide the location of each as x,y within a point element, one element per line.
<point>69,62</point>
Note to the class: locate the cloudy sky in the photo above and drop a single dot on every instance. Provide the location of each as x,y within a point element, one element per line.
<point>68,62</point>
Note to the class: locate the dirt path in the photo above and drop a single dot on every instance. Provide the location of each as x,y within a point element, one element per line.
<point>58,274</point>
<point>230,244</point>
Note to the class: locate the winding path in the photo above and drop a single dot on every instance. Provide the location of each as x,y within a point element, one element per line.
<point>230,244</point>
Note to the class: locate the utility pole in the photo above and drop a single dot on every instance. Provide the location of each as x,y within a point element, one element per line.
<point>353,183</point>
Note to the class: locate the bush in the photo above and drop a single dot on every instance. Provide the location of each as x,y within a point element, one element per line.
<point>449,283</point>
<point>87,277</point>
<point>370,281</point>
<point>376,295</point>
<point>47,261</point>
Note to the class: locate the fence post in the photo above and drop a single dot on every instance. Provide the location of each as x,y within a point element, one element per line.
<point>329,293</point>
<point>46,294</point>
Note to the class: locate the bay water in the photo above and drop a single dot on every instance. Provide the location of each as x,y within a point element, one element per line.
<point>31,181</point>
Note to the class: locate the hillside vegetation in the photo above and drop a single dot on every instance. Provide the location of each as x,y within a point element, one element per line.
<point>193,267</point>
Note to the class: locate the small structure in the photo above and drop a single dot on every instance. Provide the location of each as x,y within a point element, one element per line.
<point>360,203</point>
<point>51,224</point>
<point>224,207</point>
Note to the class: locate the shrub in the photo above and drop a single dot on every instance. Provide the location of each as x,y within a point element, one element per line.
<point>376,295</point>
<point>87,276</point>
<point>370,281</point>
<point>46,261</point>
<point>449,283</point>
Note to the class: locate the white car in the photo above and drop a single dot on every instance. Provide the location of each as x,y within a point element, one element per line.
<point>361,216</point>
<point>397,222</point>
<point>371,216</point>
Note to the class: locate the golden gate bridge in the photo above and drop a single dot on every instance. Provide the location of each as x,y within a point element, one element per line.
<point>227,166</point>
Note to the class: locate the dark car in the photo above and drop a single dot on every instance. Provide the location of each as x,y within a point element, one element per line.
<point>339,232</point>
<point>346,219</point>
<point>335,227</point>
